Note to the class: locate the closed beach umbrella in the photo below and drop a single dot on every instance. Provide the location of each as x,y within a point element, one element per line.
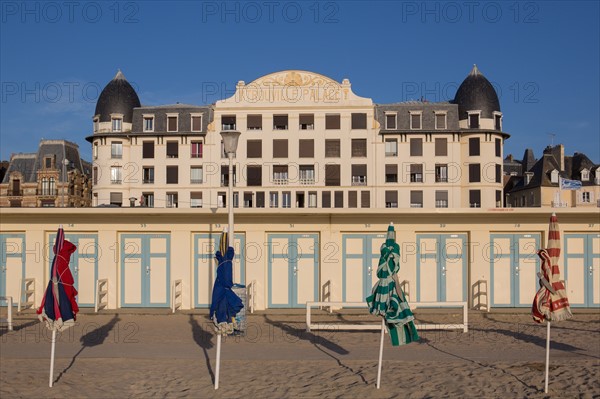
<point>225,303</point>
<point>387,298</point>
<point>388,301</point>
<point>59,306</point>
<point>550,302</point>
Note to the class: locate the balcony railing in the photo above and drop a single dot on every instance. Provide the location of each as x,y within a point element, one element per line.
<point>359,180</point>
<point>148,181</point>
<point>14,193</point>
<point>559,204</point>
<point>116,181</point>
<point>196,181</point>
<point>280,181</point>
<point>307,180</point>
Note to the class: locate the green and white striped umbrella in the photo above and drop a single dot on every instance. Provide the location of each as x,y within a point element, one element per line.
<point>387,298</point>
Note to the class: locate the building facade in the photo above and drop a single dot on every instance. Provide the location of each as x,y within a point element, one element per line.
<point>54,176</point>
<point>306,141</point>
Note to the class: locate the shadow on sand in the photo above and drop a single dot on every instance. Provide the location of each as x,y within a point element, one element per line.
<point>203,339</point>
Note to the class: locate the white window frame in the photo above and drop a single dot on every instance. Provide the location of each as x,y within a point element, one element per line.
<point>192,116</point>
<point>499,114</point>
<point>116,119</point>
<point>554,178</point>
<point>476,112</point>
<point>116,174</point>
<point>176,116</point>
<point>112,154</point>
<point>273,199</point>
<point>147,117</point>
<point>445,114</point>
<point>420,114</point>
<point>585,175</point>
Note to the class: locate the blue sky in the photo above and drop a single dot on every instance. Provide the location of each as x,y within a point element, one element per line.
<point>542,57</point>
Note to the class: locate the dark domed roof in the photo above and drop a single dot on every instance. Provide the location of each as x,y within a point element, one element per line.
<point>476,93</point>
<point>118,97</point>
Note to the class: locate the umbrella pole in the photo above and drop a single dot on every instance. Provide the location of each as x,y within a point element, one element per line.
<point>380,353</point>
<point>218,366</point>
<point>547,357</point>
<point>51,380</point>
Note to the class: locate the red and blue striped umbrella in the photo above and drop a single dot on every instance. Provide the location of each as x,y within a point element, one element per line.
<point>59,306</point>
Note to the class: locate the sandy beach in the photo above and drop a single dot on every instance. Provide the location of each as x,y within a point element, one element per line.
<point>130,354</point>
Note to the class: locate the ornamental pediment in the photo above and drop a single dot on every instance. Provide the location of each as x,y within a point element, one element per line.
<point>293,88</point>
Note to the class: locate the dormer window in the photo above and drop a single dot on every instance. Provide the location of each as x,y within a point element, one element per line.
<point>148,123</point>
<point>390,120</point>
<point>597,178</point>
<point>172,122</point>
<point>554,176</point>
<point>48,162</point>
<point>474,119</point>
<point>528,176</point>
<point>117,123</point>
<point>440,119</point>
<point>415,120</point>
<point>585,175</point>
<point>196,123</point>
<point>498,121</point>
<point>96,124</point>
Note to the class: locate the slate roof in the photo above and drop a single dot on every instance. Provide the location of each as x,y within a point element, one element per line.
<point>118,97</point>
<point>476,93</point>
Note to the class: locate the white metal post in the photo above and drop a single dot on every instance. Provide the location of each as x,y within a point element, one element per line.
<point>547,357</point>
<point>51,380</point>
<point>380,353</point>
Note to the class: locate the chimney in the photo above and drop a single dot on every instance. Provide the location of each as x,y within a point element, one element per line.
<point>558,152</point>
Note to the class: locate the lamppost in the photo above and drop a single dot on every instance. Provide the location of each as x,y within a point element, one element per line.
<point>65,162</point>
<point>230,143</point>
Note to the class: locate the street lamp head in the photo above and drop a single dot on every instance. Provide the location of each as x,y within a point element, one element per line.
<point>230,141</point>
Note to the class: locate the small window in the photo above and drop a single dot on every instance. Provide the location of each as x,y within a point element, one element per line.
<point>474,173</point>
<point>391,173</point>
<point>95,175</point>
<point>326,199</point>
<point>332,148</point>
<point>554,176</point>
<point>338,199</point>
<point>391,147</point>
<point>359,121</point>
<point>473,120</point>
<point>148,149</point>
<point>196,123</point>
<point>585,175</point>
<point>260,199</point>
<point>172,174</point>
<point>497,121</point>
<point>586,197</point>
<point>280,148</point>
<point>312,199</point>
<point>280,122</point>
<point>441,199</point>
<point>359,175</point>
<point>475,198</point>
<point>196,149</point>
<point>365,199</point>
<point>171,123</point>
<point>280,175</point>
<point>359,147</point>
<point>332,121</point>
<point>307,174</point>
<point>116,199</point>
<point>416,173</point>
<point>254,175</point>
<point>117,124</point>
<point>148,123</point>
<point>441,147</point>
<point>416,147</point>
<point>306,148</point>
<point>95,150</point>
<point>116,150</point>
<point>48,162</point>
<point>391,199</point>
<point>352,199</point>
<point>96,124</point>
<point>499,147</point>
<point>248,199</point>
<point>172,200</point>
<point>116,175</point>
<point>415,120</point>
<point>332,175</point>
<point>147,200</point>
<point>474,149</point>
<point>441,173</point>
<point>228,122</point>
<point>307,121</point>
<point>498,173</point>
<point>196,199</point>
<point>225,175</point>
<point>148,175</point>
<point>254,122</point>
<point>172,149</point>
<point>440,120</point>
<point>416,199</point>
<point>254,148</point>
<point>390,121</point>
<point>273,199</point>
<point>286,199</point>
<point>196,175</point>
